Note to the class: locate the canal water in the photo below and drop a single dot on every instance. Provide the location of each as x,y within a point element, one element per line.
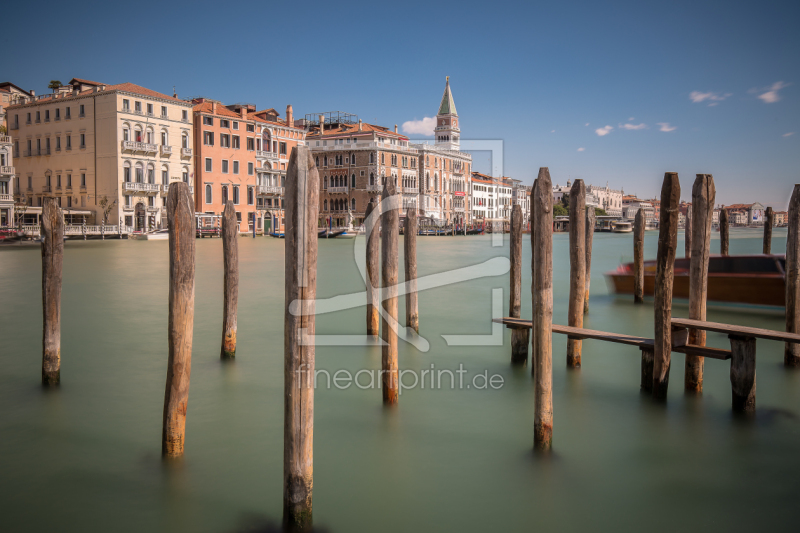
<point>86,457</point>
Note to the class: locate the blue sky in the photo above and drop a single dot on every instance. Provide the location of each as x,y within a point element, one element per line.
<point>531,74</point>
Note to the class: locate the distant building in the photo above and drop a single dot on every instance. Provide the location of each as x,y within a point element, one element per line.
<point>781,218</point>
<point>631,205</point>
<point>491,198</point>
<point>610,200</point>
<point>7,182</point>
<point>754,212</point>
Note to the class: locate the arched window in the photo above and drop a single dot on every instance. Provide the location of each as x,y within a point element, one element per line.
<point>325,182</point>
<point>151,174</point>
<point>316,160</point>
<point>185,174</point>
<point>325,160</point>
<point>208,193</point>
<point>325,203</point>
<point>353,204</point>
<point>224,194</point>
<point>164,138</point>
<point>126,133</point>
<point>371,178</point>
<point>164,175</point>
<point>184,141</point>
<point>139,173</point>
<point>371,157</point>
<point>137,134</point>
<point>353,181</point>
<point>149,136</point>
<point>126,172</point>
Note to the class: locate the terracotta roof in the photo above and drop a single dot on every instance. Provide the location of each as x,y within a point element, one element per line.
<point>138,89</point>
<point>86,82</point>
<point>738,206</point>
<point>205,107</point>
<point>352,129</point>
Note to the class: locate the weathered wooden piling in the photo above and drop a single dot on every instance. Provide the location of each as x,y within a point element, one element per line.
<point>638,257</point>
<point>52,265</point>
<point>703,197</point>
<point>791,354</point>
<point>300,271</point>
<point>542,229</point>
<point>743,373</point>
<point>410,260</point>
<point>519,337</point>
<point>390,226</point>
<point>646,383</point>
<point>373,231</point>
<point>180,217</point>
<point>724,231</point>
<point>534,293</point>
<point>665,270</point>
<point>230,259</point>
<point>590,222</point>
<point>687,233</point>
<point>769,221</point>
<point>577,268</point>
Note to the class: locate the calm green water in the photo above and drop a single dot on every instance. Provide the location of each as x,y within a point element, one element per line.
<point>86,457</point>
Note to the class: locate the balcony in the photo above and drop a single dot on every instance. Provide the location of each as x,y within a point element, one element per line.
<point>165,189</point>
<point>264,190</point>
<point>7,171</point>
<point>6,197</point>
<point>186,152</point>
<point>270,156</point>
<point>127,207</point>
<point>5,139</point>
<point>166,151</point>
<point>47,188</point>
<point>336,190</point>
<point>134,146</point>
<point>137,112</point>
<point>375,188</point>
<point>411,190</point>
<point>135,186</point>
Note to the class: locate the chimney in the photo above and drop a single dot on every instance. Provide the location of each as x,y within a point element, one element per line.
<point>395,128</point>
<point>360,125</point>
<point>33,93</point>
<point>321,124</point>
<point>243,112</point>
<point>75,90</point>
<point>214,108</point>
<point>289,116</point>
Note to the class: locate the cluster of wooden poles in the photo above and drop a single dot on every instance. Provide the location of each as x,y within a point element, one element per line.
<point>302,206</point>
<point>686,336</point>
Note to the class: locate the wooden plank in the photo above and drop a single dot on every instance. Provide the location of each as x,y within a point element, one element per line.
<point>703,351</point>
<point>741,331</point>
<point>743,374</point>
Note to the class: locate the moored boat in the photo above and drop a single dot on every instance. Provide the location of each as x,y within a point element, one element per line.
<point>733,280</point>
<point>621,227</point>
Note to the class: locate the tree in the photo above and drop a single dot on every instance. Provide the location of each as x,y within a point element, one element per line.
<point>565,200</point>
<point>600,212</point>
<point>3,130</point>
<point>107,206</point>
<point>54,84</point>
<point>560,211</point>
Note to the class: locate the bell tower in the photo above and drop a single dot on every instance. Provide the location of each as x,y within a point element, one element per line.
<point>447,132</point>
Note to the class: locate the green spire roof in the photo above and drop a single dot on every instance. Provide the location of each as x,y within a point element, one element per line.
<point>448,106</point>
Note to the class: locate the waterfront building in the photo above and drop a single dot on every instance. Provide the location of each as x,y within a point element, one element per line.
<point>754,212</point>
<point>89,144</point>
<point>781,218</point>
<point>610,200</point>
<point>492,198</point>
<point>7,181</point>
<point>10,94</point>
<point>631,205</point>
<point>521,195</point>
<point>241,155</point>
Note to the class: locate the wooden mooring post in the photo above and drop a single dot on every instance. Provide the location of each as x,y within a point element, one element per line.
<point>638,257</point>
<point>791,354</point>
<point>519,337</point>
<point>724,230</point>
<point>300,271</point>
<point>577,268</point>
<point>410,260</point>
<point>665,270</point>
<point>590,222</point>
<point>534,293</point>
<point>230,260</point>
<point>180,217</point>
<point>769,221</point>
<point>743,373</point>
<point>687,233</point>
<point>704,195</point>
<point>390,227</point>
<point>542,230</point>
<point>52,266</point>
<point>372,226</point>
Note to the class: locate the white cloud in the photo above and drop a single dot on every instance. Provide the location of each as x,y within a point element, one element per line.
<point>587,123</point>
<point>552,131</point>
<point>581,149</point>
<point>771,95</point>
<point>605,130</point>
<point>788,134</point>
<point>713,98</point>
<point>641,126</point>
<point>420,127</point>
<point>631,119</point>
<point>664,126</point>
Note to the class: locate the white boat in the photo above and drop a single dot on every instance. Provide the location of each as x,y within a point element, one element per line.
<point>621,227</point>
